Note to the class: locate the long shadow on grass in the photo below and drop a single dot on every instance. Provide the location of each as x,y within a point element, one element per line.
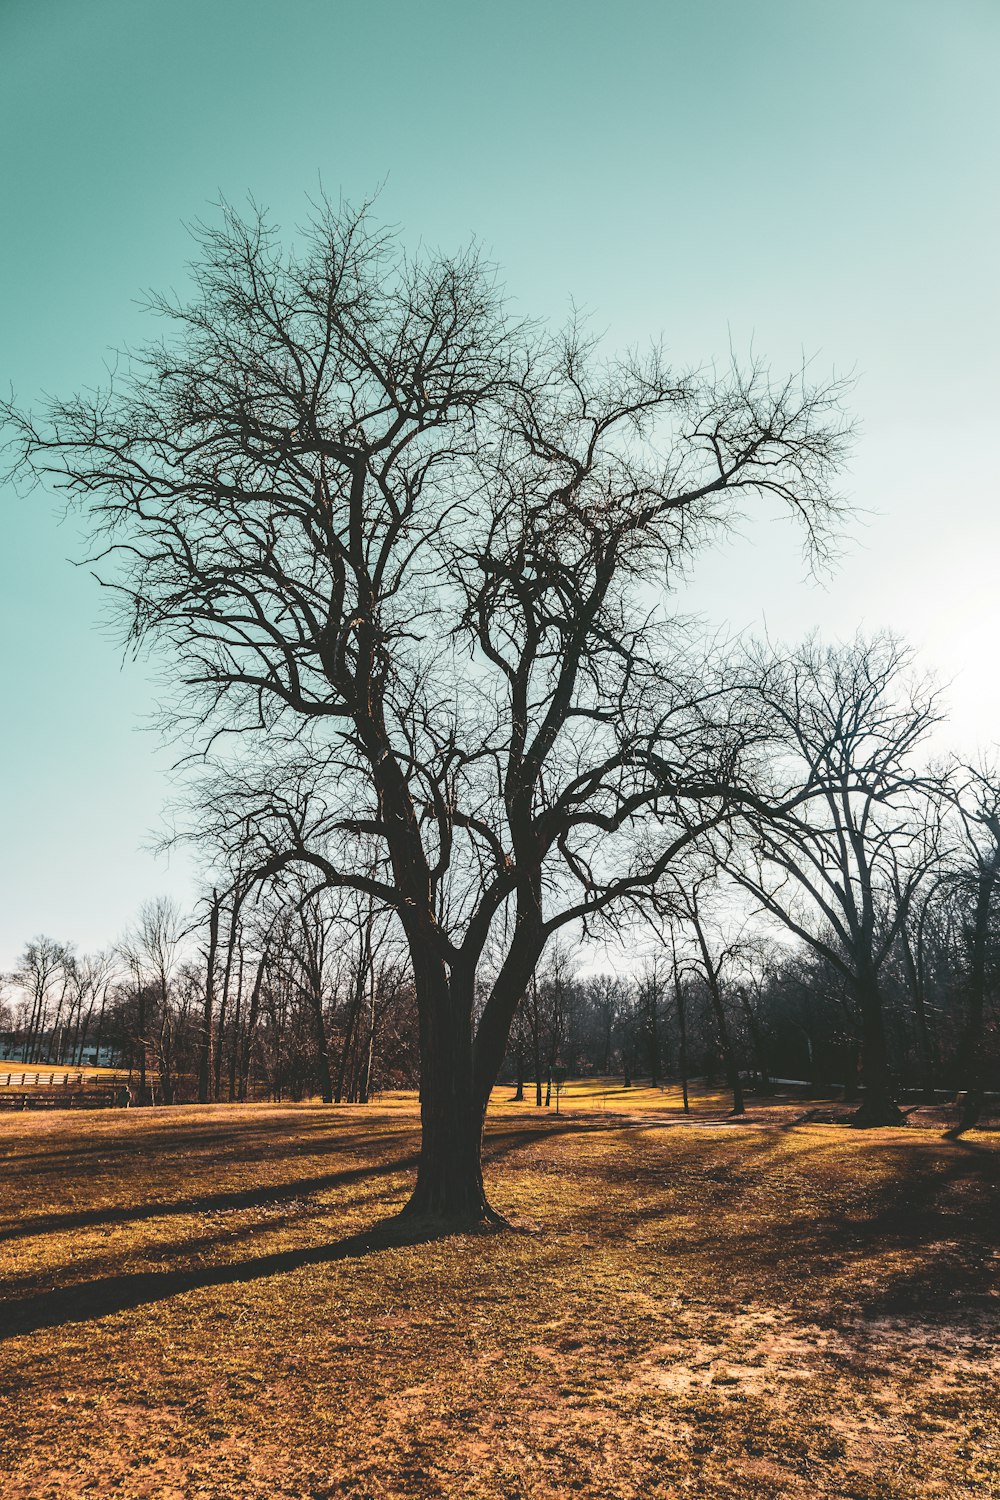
<point>237,1142</point>
<point>103,1296</point>
<point>922,1240</point>
<point>498,1144</point>
<point>114,1294</point>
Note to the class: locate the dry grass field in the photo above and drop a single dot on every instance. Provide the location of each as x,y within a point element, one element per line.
<point>207,1302</point>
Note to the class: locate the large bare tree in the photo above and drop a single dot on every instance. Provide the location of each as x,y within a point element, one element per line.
<point>416,554</point>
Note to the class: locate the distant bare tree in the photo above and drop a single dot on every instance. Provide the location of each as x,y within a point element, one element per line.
<point>43,976</point>
<point>693,900</point>
<point>843,838</point>
<point>152,951</point>
<point>977,801</point>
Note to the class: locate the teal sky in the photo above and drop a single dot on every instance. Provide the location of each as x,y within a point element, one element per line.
<point>810,177</point>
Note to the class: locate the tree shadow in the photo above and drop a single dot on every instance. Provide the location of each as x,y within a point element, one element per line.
<point>498,1144</point>
<point>248,1198</point>
<point>89,1300</point>
<point>920,1242</point>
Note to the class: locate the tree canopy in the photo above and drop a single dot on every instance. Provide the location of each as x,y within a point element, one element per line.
<point>416,554</point>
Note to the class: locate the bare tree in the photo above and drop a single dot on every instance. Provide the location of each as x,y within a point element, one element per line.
<point>152,951</point>
<point>977,801</point>
<point>605,995</point>
<point>843,838</point>
<point>692,898</point>
<point>43,977</point>
<point>650,994</point>
<point>380,526</point>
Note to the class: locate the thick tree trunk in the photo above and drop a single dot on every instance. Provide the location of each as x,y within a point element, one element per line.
<point>852,1070</point>
<point>449,1187</point>
<point>878,1107</point>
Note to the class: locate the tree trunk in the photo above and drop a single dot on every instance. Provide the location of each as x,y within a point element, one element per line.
<point>878,1107</point>
<point>322,1048</point>
<point>915,981</point>
<point>757,1042</point>
<point>449,1187</point>
<point>728,1055</point>
<point>205,1061</point>
<point>683,1051</point>
<point>536,1043</point>
<point>852,1069</point>
<point>252,1024</point>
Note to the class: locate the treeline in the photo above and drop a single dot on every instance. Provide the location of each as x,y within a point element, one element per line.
<point>743,971</point>
<point>279,1003</point>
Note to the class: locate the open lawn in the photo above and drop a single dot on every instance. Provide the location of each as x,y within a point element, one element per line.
<point>204,1302</point>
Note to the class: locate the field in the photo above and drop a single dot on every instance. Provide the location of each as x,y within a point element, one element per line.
<point>209,1302</point>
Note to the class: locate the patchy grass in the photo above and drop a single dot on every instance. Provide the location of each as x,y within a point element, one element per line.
<point>200,1302</point>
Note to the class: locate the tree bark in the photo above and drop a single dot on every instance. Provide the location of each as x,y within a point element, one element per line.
<point>449,1187</point>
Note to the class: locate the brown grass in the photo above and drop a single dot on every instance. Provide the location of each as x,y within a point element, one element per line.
<point>201,1302</point>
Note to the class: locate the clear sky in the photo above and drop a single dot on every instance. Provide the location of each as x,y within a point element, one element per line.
<point>810,177</point>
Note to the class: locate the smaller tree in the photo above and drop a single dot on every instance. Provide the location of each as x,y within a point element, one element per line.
<point>977,803</point>
<point>845,832</point>
<point>696,903</point>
